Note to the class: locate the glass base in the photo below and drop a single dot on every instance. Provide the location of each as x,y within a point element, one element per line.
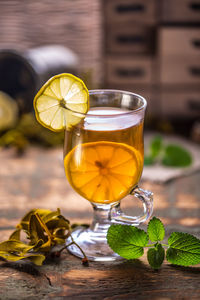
<point>93,244</point>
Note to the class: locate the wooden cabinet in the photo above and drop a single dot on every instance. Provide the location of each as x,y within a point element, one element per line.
<point>129,71</point>
<point>179,56</point>
<point>182,41</point>
<point>129,50</point>
<point>153,48</point>
<point>184,11</point>
<point>130,11</point>
<point>128,39</point>
<point>180,71</point>
<point>185,104</point>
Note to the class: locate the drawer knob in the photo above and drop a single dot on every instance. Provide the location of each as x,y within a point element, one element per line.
<point>193,105</point>
<point>130,39</point>
<point>123,8</point>
<point>137,72</point>
<point>194,71</point>
<point>196,43</point>
<point>195,6</point>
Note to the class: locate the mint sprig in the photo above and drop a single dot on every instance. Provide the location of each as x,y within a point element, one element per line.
<point>129,242</point>
<point>176,156</point>
<point>184,249</point>
<point>156,230</point>
<point>156,256</point>
<point>170,155</point>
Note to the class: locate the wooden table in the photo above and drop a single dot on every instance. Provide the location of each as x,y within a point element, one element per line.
<point>37,179</point>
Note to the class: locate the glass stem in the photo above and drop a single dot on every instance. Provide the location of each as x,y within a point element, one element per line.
<point>101,217</point>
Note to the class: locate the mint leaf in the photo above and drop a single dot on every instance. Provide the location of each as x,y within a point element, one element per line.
<point>156,146</point>
<point>148,160</point>
<point>184,249</point>
<point>176,156</point>
<point>156,256</point>
<point>127,241</point>
<point>156,230</point>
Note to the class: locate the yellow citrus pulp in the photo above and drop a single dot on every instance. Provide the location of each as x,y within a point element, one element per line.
<point>103,171</point>
<point>8,111</point>
<point>60,101</point>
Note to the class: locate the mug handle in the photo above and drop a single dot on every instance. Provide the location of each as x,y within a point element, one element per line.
<point>117,216</point>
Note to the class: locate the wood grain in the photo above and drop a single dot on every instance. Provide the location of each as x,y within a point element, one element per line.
<point>37,180</point>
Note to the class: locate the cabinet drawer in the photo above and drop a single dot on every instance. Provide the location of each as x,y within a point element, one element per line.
<point>180,42</point>
<point>180,11</point>
<point>177,70</point>
<point>130,11</point>
<point>125,39</point>
<point>145,91</point>
<point>129,71</point>
<point>181,104</point>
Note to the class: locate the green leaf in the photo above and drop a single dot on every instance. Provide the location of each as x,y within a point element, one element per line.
<point>176,156</point>
<point>148,160</point>
<point>127,241</point>
<point>156,230</point>
<point>156,256</point>
<point>184,249</point>
<point>156,146</point>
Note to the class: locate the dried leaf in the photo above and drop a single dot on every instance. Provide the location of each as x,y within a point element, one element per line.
<point>44,228</point>
<point>15,235</point>
<point>36,232</point>
<point>45,247</point>
<point>24,224</point>
<point>10,256</point>
<point>61,233</point>
<point>52,215</point>
<point>15,246</point>
<point>59,222</point>
<point>37,259</point>
<point>34,258</point>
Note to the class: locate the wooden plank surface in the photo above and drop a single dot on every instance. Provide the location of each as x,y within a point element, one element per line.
<point>37,179</point>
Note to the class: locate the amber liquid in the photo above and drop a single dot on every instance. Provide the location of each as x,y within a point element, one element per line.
<point>119,144</point>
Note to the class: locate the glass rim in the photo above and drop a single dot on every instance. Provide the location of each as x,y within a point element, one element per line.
<point>101,91</point>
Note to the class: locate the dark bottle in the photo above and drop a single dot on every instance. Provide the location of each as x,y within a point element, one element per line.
<point>22,74</point>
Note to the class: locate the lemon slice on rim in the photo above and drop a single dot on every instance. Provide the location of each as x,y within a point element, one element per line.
<point>61,101</point>
<point>103,171</point>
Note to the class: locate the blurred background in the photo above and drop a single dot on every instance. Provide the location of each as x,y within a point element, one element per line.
<point>148,47</point>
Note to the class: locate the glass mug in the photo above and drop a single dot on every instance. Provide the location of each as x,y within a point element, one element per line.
<point>103,160</point>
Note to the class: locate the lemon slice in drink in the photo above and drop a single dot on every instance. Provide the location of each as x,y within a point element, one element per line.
<point>103,171</point>
<point>61,101</point>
